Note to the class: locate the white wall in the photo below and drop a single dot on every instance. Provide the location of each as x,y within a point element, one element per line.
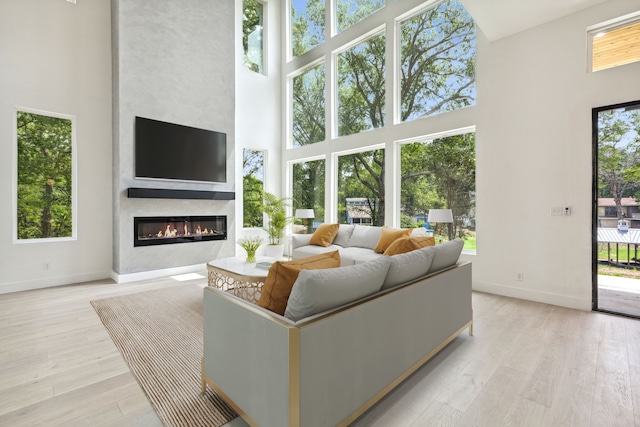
<point>55,56</point>
<point>534,151</point>
<point>258,109</point>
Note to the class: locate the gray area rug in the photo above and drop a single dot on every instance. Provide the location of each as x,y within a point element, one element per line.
<point>159,334</point>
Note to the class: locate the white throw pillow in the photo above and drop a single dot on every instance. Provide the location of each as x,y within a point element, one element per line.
<point>408,266</point>
<point>344,234</point>
<point>365,236</point>
<point>446,254</point>
<point>315,291</point>
<point>418,232</point>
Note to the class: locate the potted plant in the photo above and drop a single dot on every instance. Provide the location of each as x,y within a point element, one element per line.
<point>276,210</point>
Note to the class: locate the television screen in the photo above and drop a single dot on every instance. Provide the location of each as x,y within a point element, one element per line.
<point>171,151</point>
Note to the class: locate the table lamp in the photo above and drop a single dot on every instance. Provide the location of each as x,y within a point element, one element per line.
<point>304,214</point>
<point>439,216</point>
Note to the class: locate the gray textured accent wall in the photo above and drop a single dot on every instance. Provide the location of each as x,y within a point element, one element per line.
<point>173,61</point>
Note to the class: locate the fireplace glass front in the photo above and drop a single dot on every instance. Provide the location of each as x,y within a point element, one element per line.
<point>180,229</point>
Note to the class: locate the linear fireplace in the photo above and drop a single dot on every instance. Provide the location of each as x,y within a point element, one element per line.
<point>179,229</point>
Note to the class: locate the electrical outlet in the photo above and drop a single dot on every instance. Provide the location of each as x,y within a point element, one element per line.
<point>519,277</point>
<point>566,211</point>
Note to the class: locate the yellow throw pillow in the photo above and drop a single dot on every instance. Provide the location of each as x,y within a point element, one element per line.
<point>283,274</point>
<point>390,235</point>
<point>408,244</point>
<point>324,234</point>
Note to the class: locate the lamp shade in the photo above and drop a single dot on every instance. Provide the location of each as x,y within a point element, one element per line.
<point>440,215</point>
<point>305,213</point>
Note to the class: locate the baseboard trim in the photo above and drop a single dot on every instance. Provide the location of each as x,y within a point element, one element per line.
<point>49,282</point>
<point>536,296</point>
<point>154,274</point>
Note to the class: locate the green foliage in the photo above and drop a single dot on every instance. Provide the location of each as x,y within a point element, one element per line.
<point>252,187</point>
<point>252,18</point>
<point>309,106</point>
<point>44,176</point>
<point>307,29</point>
<point>361,175</point>
<point>361,87</point>
<point>438,61</point>
<point>440,175</point>
<point>350,12</point>
<point>308,186</point>
<point>276,210</point>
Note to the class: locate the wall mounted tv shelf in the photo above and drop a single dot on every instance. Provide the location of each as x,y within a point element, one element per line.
<point>161,193</point>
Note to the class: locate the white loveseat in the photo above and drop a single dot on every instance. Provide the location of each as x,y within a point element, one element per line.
<point>328,361</point>
<point>356,244</point>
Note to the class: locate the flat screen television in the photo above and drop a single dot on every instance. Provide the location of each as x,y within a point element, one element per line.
<point>175,152</point>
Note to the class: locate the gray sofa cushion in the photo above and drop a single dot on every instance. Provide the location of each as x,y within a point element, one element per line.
<point>344,234</point>
<point>446,254</point>
<point>408,266</point>
<point>316,291</point>
<point>365,237</point>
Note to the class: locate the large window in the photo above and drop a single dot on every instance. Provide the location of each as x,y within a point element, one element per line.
<point>361,86</point>
<point>440,174</point>
<point>361,193</point>
<point>438,61</point>
<point>308,192</point>
<point>45,176</point>
<point>252,35</point>
<point>252,187</point>
<point>307,25</point>
<point>308,120</point>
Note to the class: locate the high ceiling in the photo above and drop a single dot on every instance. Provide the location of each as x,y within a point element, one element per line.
<point>501,18</point>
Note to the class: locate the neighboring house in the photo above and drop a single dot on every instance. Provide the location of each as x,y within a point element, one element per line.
<point>608,215</point>
<point>358,211</point>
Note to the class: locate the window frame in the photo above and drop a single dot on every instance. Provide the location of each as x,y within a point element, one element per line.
<point>74,177</point>
<point>265,39</point>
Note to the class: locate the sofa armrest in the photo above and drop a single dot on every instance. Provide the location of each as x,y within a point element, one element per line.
<point>298,240</point>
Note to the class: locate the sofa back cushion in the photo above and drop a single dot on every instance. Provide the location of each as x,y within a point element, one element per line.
<point>408,244</point>
<point>344,234</point>
<point>324,235</point>
<point>282,274</point>
<point>316,291</point>
<point>446,254</point>
<point>408,266</point>
<point>388,236</point>
<point>365,236</point>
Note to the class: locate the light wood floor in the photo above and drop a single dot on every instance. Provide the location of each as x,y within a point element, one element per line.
<point>528,364</point>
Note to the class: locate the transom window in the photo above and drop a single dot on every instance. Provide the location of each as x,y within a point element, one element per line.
<point>615,43</point>
<point>253,35</point>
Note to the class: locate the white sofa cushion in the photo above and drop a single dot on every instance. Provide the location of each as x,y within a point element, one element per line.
<point>365,236</point>
<point>408,266</point>
<point>316,291</point>
<point>446,254</point>
<point>344,234</point>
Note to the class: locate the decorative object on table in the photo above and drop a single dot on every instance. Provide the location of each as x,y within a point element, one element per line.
<point>251,245</point>
<point>276,210</point>
<point>439,216</point>
<point>304,214</point>
<point>265,265</point>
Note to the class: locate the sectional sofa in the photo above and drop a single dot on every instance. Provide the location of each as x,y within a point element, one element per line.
<point>356,243</point>
<point>340,347</point>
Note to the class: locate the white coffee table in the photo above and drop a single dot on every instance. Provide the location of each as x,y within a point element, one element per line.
<point>234,275</point>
